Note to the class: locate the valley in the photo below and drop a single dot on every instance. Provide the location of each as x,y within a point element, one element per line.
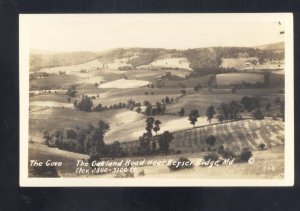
<point>125,87</point>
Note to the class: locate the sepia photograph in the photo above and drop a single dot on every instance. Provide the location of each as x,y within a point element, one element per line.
<point>156,99</point>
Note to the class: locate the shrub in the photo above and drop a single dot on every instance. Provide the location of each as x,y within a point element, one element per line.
<point>245,155</point>
<point>262,146</point>
<point>250,103</point>
<point>211,156</point>
<point>257,114</point>
<point>70,133</point>
<point>85,104</point>
<point>210,141</point>
<point>71,91</point>
<point>181,163</point>
<point>69,144</point>
<point>221,149</point>
<point>178,152</point>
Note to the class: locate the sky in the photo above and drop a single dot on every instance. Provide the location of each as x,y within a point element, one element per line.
<point>173,31</point>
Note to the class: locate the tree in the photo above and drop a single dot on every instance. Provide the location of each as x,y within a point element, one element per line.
<point>164,141</point>
<point>149,125</point>
<point>222,112</point>
<point>277,101</point>
<point>167,100</point>
<point>234,109</point>
<point>69,100</point>
<point>262,146</point>
<point>115,150</point>
<point>250,103</point>
<point>148,110</point>
<point>268,107</point>
<point>159,108</point>
<point>129,103</point>
<point>210,113</point>
<point>146,103</point>
<point>193,117</point>
<point>257,114</point>
<point>98,107</point>
<point>139,109</point>
<point>144,140</point>
<point>245,154</point>
<point>156,127</point>
<point>210,141</point>
<point>85,104</point>
<point>181,112</point>
<point>71,91</point>
<point>163,109</point>
<point>183,92</point>
<point>131,107</point>
<point>94,143</point>
<point>81,135</point>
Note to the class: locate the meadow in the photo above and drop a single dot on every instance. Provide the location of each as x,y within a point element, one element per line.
<point>238,78</point>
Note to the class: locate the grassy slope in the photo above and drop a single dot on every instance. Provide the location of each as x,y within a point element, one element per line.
<point>272,159</point>
<point>202,99</point>
<point>233,135</point>
<point>43,153</point>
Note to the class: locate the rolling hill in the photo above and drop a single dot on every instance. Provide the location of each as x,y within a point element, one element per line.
<point>233,135</point>
<point>196,59</point>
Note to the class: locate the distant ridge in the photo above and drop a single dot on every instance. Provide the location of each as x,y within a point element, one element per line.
<point>272,46</point>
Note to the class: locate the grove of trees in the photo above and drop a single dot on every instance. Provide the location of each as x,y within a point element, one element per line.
<point>89,140</point>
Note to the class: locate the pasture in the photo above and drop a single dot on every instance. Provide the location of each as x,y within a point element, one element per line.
<point>250,63</point>
<point>181,63</point>
<point>124,84</point>
<point>239,78</point>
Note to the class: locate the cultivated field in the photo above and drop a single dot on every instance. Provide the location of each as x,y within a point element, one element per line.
<point>232,135</point>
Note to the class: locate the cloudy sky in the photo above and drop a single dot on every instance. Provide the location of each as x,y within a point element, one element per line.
<point>102,32</point>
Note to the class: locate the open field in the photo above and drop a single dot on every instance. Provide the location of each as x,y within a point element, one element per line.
<point>201,100</point>
<point>238,78</point>
<point>125,125</point>
<point>250,63</point>
<point>52,111</point>
<point>88,66</point>
<point>172,63</point>
<point>124,84</point>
